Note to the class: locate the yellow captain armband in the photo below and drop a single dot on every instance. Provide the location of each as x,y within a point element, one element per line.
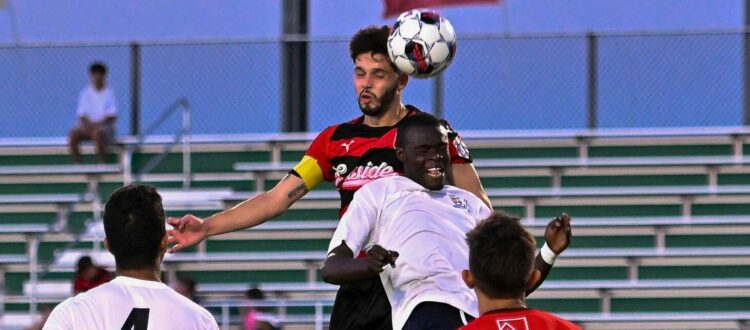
<point>309,171</point>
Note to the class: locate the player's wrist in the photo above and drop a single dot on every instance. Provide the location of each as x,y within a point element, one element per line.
<point>547,254</point>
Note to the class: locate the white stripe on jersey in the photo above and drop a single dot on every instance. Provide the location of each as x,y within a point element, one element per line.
<point>129,303</point>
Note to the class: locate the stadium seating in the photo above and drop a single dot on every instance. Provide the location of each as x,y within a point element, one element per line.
<point>661,221</point>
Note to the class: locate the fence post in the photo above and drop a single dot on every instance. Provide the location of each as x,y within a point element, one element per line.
<point>593,121</point>
<point>437,96</point>
<point>295,68</point>
<point>135,88</point>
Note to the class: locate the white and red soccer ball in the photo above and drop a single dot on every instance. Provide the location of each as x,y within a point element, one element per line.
<point>422,43</point>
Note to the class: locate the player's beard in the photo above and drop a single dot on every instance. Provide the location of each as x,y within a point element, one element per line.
<point>382,103</point>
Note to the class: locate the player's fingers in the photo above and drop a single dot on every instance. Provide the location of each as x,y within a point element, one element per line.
<point>392,256</point>
<point>173,221</point>
<point>175,248</point>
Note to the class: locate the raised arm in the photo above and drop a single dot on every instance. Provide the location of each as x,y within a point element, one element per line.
<point>190,230</point>
<point>557,238</point>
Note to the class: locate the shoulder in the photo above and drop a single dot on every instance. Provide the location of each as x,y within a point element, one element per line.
<point>551,318</point>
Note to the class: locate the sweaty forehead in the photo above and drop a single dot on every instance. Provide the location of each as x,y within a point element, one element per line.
<point>425,135</point>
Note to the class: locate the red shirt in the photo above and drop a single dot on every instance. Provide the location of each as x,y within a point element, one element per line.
<point>82,285</point>
<point>519,319</point>
<point>352,154</point>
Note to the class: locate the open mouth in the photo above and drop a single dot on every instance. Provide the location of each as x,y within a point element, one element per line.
<point>366,98</point>
<point>435,172</point>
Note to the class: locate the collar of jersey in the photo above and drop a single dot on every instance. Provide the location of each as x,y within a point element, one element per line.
<point>136,282</point>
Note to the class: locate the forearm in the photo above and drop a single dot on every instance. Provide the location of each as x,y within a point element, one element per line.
<point>345,270</point>
<point>544,268</point>
<point>247,214</point>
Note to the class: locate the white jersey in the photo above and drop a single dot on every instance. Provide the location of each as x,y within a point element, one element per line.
<point>128,303</point>
<point>97,105</point>
<point>428,230</point>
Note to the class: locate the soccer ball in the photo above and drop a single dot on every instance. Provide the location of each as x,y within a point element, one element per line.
<point>422,43</point>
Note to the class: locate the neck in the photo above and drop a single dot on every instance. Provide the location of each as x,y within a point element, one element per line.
<point>487,304</point>
<point>392,115</point>
<point>147,274</point>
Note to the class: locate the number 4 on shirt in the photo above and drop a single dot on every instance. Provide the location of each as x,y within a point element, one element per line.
<point>137,320</point>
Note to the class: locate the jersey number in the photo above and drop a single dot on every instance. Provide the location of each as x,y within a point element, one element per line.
<point>137,320</point>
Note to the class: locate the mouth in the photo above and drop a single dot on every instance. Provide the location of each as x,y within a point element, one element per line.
<point>366,98</point>
<point>435,172</point>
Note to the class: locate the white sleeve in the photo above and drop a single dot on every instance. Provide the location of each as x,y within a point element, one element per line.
<point>359,220</point>
<point>60,318</point>
<point>210,322</point>
<point>81,109</point>
<point>111,109</point>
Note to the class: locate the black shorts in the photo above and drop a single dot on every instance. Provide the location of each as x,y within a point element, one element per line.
<point>361,306</point>
<point>436,316</point>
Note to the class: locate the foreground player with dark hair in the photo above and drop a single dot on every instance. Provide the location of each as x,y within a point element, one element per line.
<point>417,224</point>
<point>501,257</point>
<point>136,298</point>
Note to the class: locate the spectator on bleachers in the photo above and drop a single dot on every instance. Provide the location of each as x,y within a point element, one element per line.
<point>97,113</point>
<point>258,318</point>
<point>186,286</point>
<point>89,275</point>
<point>501,269</point>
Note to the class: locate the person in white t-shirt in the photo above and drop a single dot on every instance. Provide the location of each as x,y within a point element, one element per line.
<point>136,299</point>
<point>417,224</point>
<point>97,113</point>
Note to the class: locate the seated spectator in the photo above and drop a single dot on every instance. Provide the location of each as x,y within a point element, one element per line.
<point>186,286</point>
<point>89,276</point>
<point>97,113</point>
<point>258,318</point>
<point>501,270</point>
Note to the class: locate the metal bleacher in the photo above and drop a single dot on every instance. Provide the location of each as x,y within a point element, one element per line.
<point>661,222</point>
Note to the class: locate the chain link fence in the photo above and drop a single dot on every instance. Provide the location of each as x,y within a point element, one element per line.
<point>495,82</point>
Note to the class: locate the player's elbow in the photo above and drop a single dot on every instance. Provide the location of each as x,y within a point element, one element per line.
<point>331,274</point>
<point>328,275</point>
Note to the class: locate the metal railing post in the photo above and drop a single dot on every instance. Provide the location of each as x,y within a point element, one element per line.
<point>186,133</point>
<point>33,251</point>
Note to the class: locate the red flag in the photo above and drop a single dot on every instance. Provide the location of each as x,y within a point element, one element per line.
<point>395,7</point>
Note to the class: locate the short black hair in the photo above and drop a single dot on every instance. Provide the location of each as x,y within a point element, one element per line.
<point>409,123</point>
<point>372,39</point>
<point>83,263</point>
<point>134,225</point>
<point>501,256</point>
<point>189,282</point>
<point>98,67</point>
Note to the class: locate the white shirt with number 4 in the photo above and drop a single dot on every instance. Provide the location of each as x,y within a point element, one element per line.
<point>129,303</point>
<point>428,230</point>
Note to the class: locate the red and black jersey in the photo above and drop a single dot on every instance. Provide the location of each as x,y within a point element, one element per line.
<point>352,154</point>
<point>519,319</point>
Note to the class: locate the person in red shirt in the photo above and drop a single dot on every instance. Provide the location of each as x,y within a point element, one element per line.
<point>89,276</point>
<point>501,269</point>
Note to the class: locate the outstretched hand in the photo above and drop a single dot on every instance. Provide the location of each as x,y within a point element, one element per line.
<point>187,231</point>
<point>378,257</point>
<point>558,233</point>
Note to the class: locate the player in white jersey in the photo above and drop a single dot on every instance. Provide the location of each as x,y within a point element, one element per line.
<point>136,299</point>
<point>418,225</point>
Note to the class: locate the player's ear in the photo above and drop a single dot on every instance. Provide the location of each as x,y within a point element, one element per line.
<point>533,279</point>
<point>468,278</point>
<point>403,80</point>
<point>106,244</point>
<point>164,243</point>
<point>400,154</point>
